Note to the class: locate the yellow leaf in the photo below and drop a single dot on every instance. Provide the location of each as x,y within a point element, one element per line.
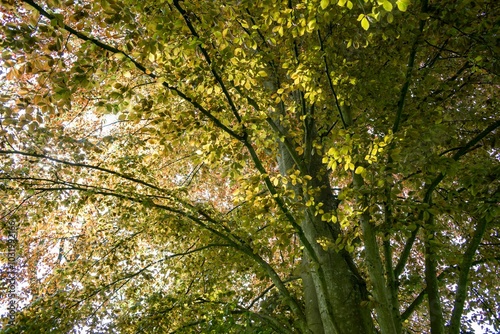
<point>349,4</point>
<point>365,24</point>
<point>280,30</point>
<point>359,170</point>
<point>263,73</point>
<point>311,24</point>
<point>324,3</point>
<point>387,6</point>
<point>275,181</point>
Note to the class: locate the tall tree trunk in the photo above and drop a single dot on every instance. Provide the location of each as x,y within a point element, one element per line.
<point>333,290</point>
<point>345,289</point>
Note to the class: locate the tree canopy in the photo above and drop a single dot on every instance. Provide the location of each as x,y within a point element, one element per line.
<point>261,166</point>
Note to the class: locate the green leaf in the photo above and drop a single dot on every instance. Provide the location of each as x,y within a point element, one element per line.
<point>402,4</point>
<point>390,17</point>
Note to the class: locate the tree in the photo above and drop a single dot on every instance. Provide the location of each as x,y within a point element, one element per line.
<point>252,166</point>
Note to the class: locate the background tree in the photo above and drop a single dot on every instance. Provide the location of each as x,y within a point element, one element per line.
<point>252,166</point>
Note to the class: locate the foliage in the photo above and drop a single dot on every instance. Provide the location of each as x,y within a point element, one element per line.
<point>245,166</point>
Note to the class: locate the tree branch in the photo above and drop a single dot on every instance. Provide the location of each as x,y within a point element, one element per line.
<point>139,66</point>
<point>269,288</point>
<point>330,82</point>
<point>409,70</point>
<point>461,152</point>
<point>77,164</point>
<point>239,245</point>
<point>216,75</point>
<point>420,298</point>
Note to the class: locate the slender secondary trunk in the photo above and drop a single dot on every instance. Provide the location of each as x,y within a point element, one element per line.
<point>384,303</point>
<point>465,265</point>
<point>433,296</point>
<point>390,274</point>
<point>312,310</point>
